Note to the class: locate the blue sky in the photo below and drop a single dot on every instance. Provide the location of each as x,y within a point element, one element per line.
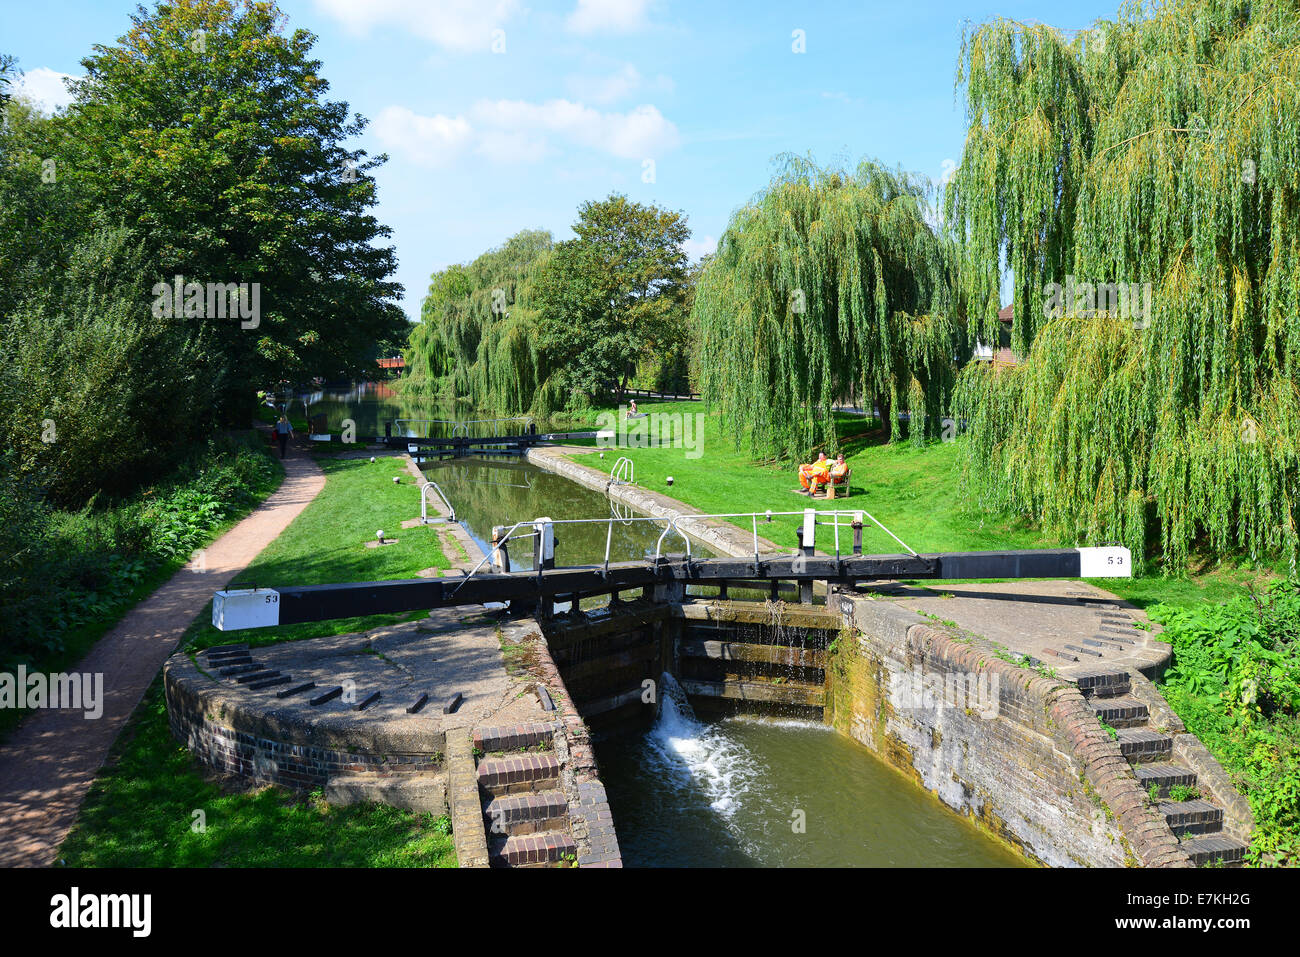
<point>502,115</point>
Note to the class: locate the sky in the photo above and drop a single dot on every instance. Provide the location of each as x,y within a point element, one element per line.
<point>502,115</point>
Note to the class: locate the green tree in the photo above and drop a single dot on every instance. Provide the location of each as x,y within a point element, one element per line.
<point>475,341</point>
<point>613,295</point>
<point>1158,151</point>
<point>826,285</point>
<point>207,129</point>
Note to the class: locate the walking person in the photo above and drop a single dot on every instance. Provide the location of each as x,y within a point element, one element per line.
<point>283,432</point>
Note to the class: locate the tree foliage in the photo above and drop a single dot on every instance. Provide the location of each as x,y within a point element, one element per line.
<point>201,145</point>
<point>475,339</point>
<point>1159,148</point>
<point>828,284</point>
<point>206,128</point>
<point>537,326</point>
<point>612,295</point>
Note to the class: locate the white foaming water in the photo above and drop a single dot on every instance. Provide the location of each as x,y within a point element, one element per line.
<point>699,755</point>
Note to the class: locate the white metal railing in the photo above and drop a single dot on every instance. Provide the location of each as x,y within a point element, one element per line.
<point>812,517</point>
<point>424,501</point>
<point>623,472</point>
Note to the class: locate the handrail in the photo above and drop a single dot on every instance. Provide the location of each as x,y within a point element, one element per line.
<point>424,501</point>
<point>623,472</point>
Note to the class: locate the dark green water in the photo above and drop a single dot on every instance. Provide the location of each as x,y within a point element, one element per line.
<point>370,404</point>
<point>724,793</point>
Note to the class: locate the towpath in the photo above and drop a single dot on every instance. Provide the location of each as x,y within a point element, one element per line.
<point>51,759</point>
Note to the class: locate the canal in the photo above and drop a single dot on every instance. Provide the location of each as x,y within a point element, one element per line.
<point>735,792</point>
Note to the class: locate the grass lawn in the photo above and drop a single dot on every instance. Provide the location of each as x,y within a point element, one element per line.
<point>916,493</point>
<point>140,811</point>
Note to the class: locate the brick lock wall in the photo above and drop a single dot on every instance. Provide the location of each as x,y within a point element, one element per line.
<point>266,759</point>
<point>1034,774</point>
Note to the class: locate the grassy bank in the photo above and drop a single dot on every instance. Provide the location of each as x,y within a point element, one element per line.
<point>76,573</point>
<point>140,811</point>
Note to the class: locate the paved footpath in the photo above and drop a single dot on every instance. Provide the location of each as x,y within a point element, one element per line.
<point>51,759</point>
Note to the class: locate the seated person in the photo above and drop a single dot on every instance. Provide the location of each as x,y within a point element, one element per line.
<point>839,470</point>
<point>814,475</point>
<point>631,412</point>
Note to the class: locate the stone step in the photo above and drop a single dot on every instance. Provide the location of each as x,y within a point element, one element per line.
<point>1120,712</point>
<point>513,737</point>
<point>1102,643</point>
<point>516,773</point>
<point>1102,684</point>
<point>414,792</point>
<point>1064,655</point>
<point>1164,775</point>
<point>1080,650</point>
<point>525,850</point>
<point>1213,848</point>
<point>1138,744</point>
<point>1192,817</point>
<point>517,814</point>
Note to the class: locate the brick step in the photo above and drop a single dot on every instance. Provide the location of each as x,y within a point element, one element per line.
<point>513,737</point>
<point>531,850</point>
<point>1138,744</point>
<point>1164,775</point>
<point>516,773</point>
<point>1102,684</point>
<point>517,814</point>
<point>1056,653</point>
<point>1214,847</point>
<point>1192,817</point>
<point>1120,712</point>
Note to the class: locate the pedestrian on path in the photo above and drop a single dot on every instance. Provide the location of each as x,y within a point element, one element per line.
<point>283,432</point>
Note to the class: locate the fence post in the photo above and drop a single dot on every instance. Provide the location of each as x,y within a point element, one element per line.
<point>500,550</point>
<point>807,542</point>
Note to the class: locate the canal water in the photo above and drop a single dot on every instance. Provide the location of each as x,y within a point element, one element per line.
<point>735,792</point>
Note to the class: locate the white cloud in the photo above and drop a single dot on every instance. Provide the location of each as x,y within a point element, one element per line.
<point>608,16</point>
<point>45,88</point>
<point>428,140</point>
<point>699,248</point>
<point>460,25</point>
<point>520,131</point>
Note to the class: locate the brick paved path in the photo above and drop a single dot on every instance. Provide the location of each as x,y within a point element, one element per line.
<point>50,760</point>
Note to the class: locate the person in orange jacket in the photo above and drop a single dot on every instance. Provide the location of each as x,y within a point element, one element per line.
<point>814,475</point>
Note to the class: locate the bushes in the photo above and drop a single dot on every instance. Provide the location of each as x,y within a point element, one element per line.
<point>61,571</point>
<point>1235,682</point>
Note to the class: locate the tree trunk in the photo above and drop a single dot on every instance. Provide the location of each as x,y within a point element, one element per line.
<point>885,406</point>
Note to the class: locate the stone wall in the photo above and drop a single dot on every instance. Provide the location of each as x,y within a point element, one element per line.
<point>1018,752</point>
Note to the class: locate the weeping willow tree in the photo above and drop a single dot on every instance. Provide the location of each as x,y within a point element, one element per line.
<point>827,285</point>
<point>1157,153</point>
<point>476,338</point>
